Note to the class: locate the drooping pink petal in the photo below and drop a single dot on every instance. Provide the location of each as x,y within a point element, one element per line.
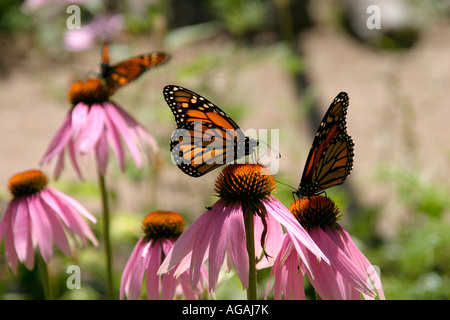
<point>168,286</point>
<point>294,278</point>
<point>188,292</point>
<point>217,247</point>
<point>184,244</point>
<point>72,203</point>
<point>357,256</point>
<point>73,158</point>
<point>115,142</point>
<point>22,235</point>
<point>147,142</point>
<point>236,243</point>
<point>79,115</point>
<point>59,235</point>
<point>287,273</point>
<point>201,244</point>
<point>41,226</point>
<point>8,221</point>
<point>299,236</point>
<point>152,263</point>
<point>68,210</point>
<point>341,262</point>
<point>272,242</point>
<point>101,154</point>
<point>59,165</point>
<point>140,133</point>
<point>125,280</point>
<point>122,126</point>
<point>92,130</point>
<point>137,272</point>
<point>58,142</point>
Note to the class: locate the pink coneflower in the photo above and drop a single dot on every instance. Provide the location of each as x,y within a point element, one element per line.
<point>102,26</point>
<point>349,274</point>
<point>39,216</point>
<point>244,189</point>
<point>161,229</point>
<point>92,126</point>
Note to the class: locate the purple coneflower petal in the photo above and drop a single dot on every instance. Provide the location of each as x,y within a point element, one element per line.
<point>101,154</point>
<point>236,243</point>
<point>341,261</point>
<point>59,236</point>
<point>140,133</point>
<point>125,280</point>
<point>122,127</point>
<point>63,198</point>
<point>169,285</point>
<point>186,287</point>
<point>58,142</point>
<point>137,272</point>
<point>217,248</point>
<point>59,165</point>
<point>364,264</point>
<point>22,235</point>
<point>92,130</point>
<point>287,272</point>
<point>115,142</point>
<point>272,241</point>
<point>68,211</point>
<point>7,221</point>
<point>73,158</point>
<point>298,235</point>
<point>153,261</point>
<point>78,115</point>
<point>184,245</point>
<point>42,227</point>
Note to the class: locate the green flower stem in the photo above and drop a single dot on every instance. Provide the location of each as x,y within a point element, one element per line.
<point>43,270</point>
<point>106,238</point>
<point>250,241</point>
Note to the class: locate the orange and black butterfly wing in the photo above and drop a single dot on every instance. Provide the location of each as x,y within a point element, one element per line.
<point>126,71</point>
<point>330,159</point>
<point>206,137</point>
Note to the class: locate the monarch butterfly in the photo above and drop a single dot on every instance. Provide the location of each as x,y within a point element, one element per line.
<point>330,159</point>
<point>124,72</point>
<point>206,137</point>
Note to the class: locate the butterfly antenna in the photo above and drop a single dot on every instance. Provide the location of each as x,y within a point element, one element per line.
<point>285,184</point>
<point>268,146</point>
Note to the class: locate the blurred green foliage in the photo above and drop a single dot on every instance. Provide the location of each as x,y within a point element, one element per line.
<point>240,17</point>
<point>416,264</point>
<point>12,20</point>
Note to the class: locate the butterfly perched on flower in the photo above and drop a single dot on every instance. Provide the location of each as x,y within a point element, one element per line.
<point>206,137</point>
<point>122,73</point>
<point>330,159</point>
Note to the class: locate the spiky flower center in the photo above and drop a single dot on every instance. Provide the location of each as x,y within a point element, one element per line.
<point>163,224</point>
<point>315,211</point>
<point>244,183</point>
<point>27,183</point>
<point>88,91</point>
